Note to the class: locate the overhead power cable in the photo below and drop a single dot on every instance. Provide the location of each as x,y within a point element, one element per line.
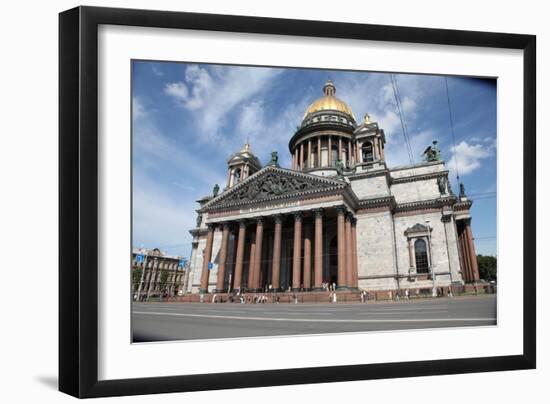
<point>397,97</point>
<point>452,129</point>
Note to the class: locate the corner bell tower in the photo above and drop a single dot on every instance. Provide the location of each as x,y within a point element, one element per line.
<point>241,165</point>
<point>370,141</point>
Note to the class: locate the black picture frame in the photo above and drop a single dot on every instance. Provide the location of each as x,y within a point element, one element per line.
<point>78,200</point>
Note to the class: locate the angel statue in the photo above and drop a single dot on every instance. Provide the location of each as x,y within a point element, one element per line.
<point>432,152</point>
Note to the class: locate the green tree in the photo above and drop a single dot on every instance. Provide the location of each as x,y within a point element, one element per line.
<point>487,265</point>
<point>136,277</point>
<point>163,279</point>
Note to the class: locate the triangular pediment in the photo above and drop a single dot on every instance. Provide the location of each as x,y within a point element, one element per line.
<point>273,183</point>
<point>366,128</point>
<point>418,228</point>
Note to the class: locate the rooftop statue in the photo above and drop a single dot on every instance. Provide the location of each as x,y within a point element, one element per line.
<point>199,220</point>
<point>339,167</point>
<point>432,152</point>
<point>274,159</point>
<point>442,184</point>
<point>216,190</point>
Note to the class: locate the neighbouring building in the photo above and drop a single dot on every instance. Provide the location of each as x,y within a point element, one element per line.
<point>156,274</point>
<point>338,215</point>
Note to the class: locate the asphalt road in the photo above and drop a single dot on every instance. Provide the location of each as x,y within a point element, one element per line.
<point>177,321</point>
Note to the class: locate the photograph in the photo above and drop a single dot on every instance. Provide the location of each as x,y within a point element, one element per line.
<point>272,201</point>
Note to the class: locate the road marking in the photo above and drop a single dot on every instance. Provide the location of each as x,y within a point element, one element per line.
<point>407,308</point>
<point>310,320</point>
<point>405,313</point>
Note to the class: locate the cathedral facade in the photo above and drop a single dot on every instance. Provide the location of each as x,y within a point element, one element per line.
<point>339,216</point>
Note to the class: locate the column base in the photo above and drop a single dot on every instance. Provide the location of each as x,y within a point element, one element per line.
<point>219,291</point>
<point>276,290</point>
<point>317,289</point>
<point>307,289</point>
<point>343,288</point>
<point>203,290</point>
<point>295,289</point>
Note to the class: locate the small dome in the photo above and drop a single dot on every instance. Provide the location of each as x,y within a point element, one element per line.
<point>244,154</point>
<point>329,102</point>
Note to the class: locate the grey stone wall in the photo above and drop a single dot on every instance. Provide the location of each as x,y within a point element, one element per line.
<point>196,265</point>
<point>454,257</point>
<point>366,188</point>
<point>417,169</point>
<point>375,255</point>
<point>415,191</point>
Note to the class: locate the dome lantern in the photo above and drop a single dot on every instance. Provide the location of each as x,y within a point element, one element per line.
<point>329,89</point>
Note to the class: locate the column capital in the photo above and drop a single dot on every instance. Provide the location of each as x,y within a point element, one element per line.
<point>341,210</point>
<point>318,212</point>
<point>226,225</point>
<point>242,222</point>
<point>260,220</point>
<point>211,226</point>
<point>353,221</point>
<point>298,216</point>
<point>278,218</point>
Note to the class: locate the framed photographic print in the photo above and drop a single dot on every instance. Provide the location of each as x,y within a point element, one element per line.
<point>264,202</point>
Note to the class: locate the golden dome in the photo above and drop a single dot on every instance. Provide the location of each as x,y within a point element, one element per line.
<point>329,102</point>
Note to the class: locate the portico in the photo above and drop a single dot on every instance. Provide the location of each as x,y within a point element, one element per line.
<point>279,252</point>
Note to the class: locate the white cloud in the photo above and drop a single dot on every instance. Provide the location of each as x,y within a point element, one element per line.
<point>374,94</point>
<point>468,157</point>
<point>157,71</point>
<point>396,152</point>
<point>213,94</point>
<point>138,110</point>
<point>155,150</point>
<point>251,119</point>
<point>268,133</point>
<point>177,90</point>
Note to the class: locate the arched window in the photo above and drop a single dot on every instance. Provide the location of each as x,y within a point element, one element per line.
<point>334,156</point>
<point>345,158</point>
<point>314,162</point>
<point>368,154</point>
<point>237,176</point>
<point>421,256</point>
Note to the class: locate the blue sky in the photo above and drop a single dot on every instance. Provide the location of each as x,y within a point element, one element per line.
<point>189,118</point>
